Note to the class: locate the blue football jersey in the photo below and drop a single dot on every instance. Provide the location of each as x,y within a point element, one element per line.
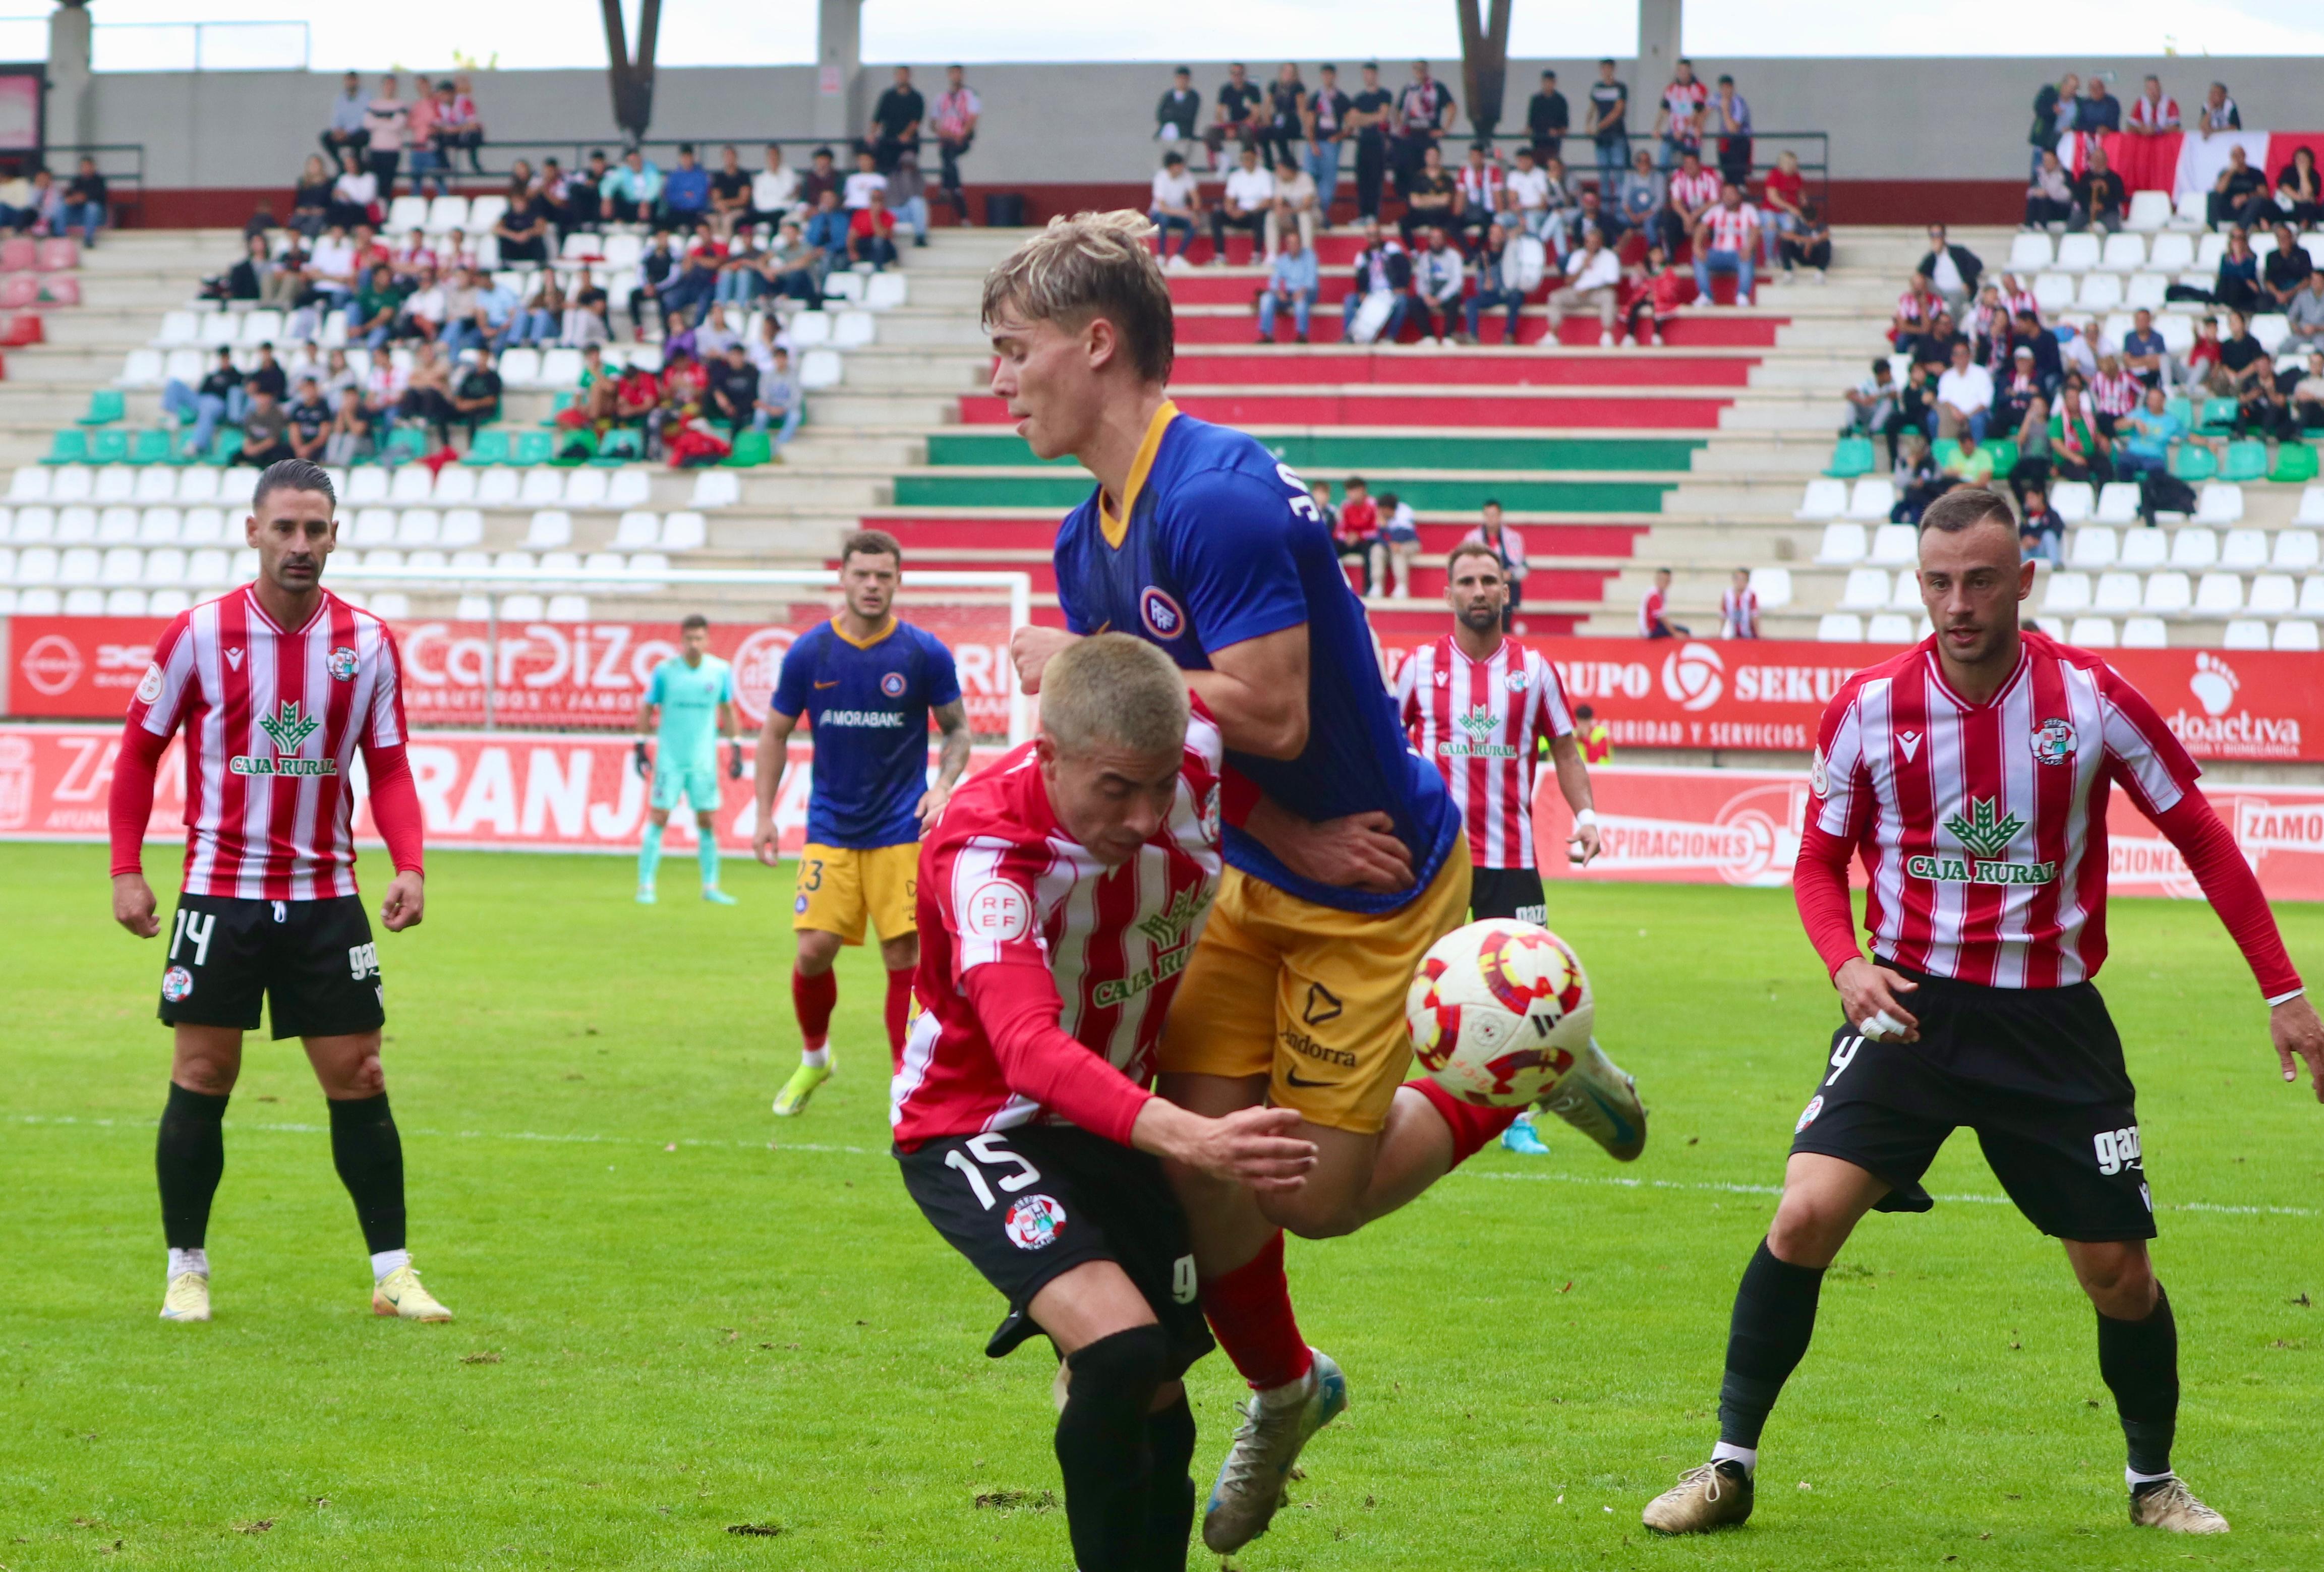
<point>867,706</point>
<point>1219,544</point>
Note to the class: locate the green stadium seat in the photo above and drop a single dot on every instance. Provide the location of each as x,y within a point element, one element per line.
<point>533,447</point>
<point>70,446</point>
<point>2181,407</point>
<point>152,445</point>
<point>491,447</point>
<point>404,444</point>
<point>2245,460</point>
<point>2218,415</point>
<point>752,448</point>
<point>2004,456</point>
<point>2192,461</point>
<point>109,445</point>
<point>105,405</point>
<point>225,448</point>
<point>1850,458</point>
<point>562,402</point>
<point>622,445</point>
<point>1943,451</point>
<point>2296,464</point>
<point>575,445</point>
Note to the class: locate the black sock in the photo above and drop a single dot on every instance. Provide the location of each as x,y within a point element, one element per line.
<point>1169,1488</point>
<point>1775,1316</point>
<point>188,1156</point>
<point>1101,1444</point>
<point>2140,1362</point>
<point>369,1156</point>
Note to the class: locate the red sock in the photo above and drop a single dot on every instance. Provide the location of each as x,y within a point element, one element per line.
<point>812,998</point>
<point>1473,1128</point>
<point>1249,1311</point>
<point>899,1006</point>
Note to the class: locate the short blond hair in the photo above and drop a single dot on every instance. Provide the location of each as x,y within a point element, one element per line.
<point>1091,264</point>
<point>1114,688</point>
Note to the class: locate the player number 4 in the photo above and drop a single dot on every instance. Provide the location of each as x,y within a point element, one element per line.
<point>197,925</point>
<point>1843,1054</point>
<point>989,1152</point>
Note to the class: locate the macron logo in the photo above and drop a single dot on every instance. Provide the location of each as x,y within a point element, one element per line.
<point>1911,743</point>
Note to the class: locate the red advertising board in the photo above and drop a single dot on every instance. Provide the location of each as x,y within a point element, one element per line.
<point>538,673</point>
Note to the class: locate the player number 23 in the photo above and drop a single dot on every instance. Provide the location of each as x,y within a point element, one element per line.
<point>989,1152</point>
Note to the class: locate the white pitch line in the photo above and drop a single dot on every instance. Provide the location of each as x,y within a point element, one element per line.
<point>1621,1181</point>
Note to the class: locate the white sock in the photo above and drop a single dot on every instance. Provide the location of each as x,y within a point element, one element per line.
<point>1290,1391</point>
<point>2135,1480</point>
<point>1747,1455</point>
<point>816,1059</point>
<point>185,1261</point>
<point>389,1260</point>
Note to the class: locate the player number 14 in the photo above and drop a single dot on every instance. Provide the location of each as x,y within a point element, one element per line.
<point>197,925</point>
<point>993,1154</point>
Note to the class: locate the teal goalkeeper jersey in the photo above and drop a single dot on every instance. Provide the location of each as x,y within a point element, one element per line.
<point>689,697</point>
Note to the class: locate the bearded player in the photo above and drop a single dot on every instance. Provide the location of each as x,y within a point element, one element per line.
<point>866,684</point>
<point>1971,774</point>
<point>279,686</point>
<point>1343,845</point>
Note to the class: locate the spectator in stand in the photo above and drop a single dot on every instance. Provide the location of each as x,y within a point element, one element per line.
<point>2304,312</point>
<point>1872,405</point>
<point>1678,120</point>
<point>775,191</point>
<point>1367,119</point>
<point>2147,432</point>
<point>1589,214</point>
<point>1323,122</point>
<point>1430,195</point>
<point>1249,199</point>
<point>1356,534</point>
<point>2153,112</point>
<point>354,195</point>
<point>86,202</point>
<point>1593,275</point>
<point>265,431</point>
<point>1693,193</point>
<point>2053,114</point>
<point>385,118</point>
<point>780,404</point>
<point>427,396</point>
<point>44,209</point>
<point>1951,270</point>
<point>460,127</point>
<point>2034,452</point>
<point>2299,192</point>
<point>871,233</point>
<point>685,193</point>
<point>957,111</point>
<point>1175,116</point>
<point>1383,273</point>
<point>1653,610</point>
<point>1783,197</point>
<point>2081,450</point>
<point>2049,360</point>
<point>1528,186</point>
<point>2100,198</point>
<point>2018,296</point>
<point>2143,354</point>
<point>1437,278</point>
<point>1292,281</point>
<point>247,280</point>
<point>1727,240</point>
<point>1609,125</point>
<point>1176,207</point>
<point>2219,113</point>
<point>1914,477</point>
<point>1964,396</point>
<point>1399,547</point>
<point>1423,110</point>
<point>632,191</point>
<point>866,180</point>
<point>522,228</point>
<point>310,199</point>
<point>1809,245</point>
<point>1235,113</point>
<point>331,267</point>
<point>1656,293</point>
<point>2237,285</point>
<point>583,205</point>
<point>269,375</point>
<point>1499,286</point>
<point>2099,111</point>
<point>219,397</point>
<point>821,175</point>
<point>422,139</point>
<point>730,193</point>
<point>476,395</point>
<point>2241,358</point>
<point>2264,408</point>
<point>1547,120</point>
<point>1729,115</point>
<point>425,310</point>
<point>2287,269</point>
<point>907,196</point>
<point>2049,198</point>
<point>345,133</point>
<point>2041,533</point>
<point>826,231</point>
<point>310,422</point>
<point>1643,198</point>
<point>2016,389</point>
<point>2308,393</point>
<point>1508,547</point>
<point>2240,195</point>
<point>374,313</point>
<point>1480,196</point>
<point>1296,207</point>
<point>1968,464</point>
<point>1738,608</point>
<point>733,387</point>
<point>896,121</point>
<point>2200,365</point>
<point>1934,348</point>
<point>1287,104</point>
<point>539,320</point>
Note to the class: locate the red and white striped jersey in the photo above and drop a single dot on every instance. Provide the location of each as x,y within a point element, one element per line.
<point>1735,229</point>
<point>272,720</point>
<point>1982,826</point>
<point>1480,723</point>
<point>1001,881</point>
<point>1738,614</point>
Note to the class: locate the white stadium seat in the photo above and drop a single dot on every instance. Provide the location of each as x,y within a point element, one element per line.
<point>2100,291</point>
<point>372,527</point>
<point>166,602</point>
<point>2273,595</point>
<point>2296,634</point>
<point>76,524</point>
<point>2194,548</point>
<point>2116,592</point>
<point>550,528</point>
<point>2172,252</point>
<point>498,488</point>
<point>2220,594</point>
<point>684,531</point>
<point>1907,596</point>
<point>484,212</point>
<point>446,214</point>
<point>1893,545</point>
<point>2073,501</point>
<point>2243,551</point>
<point>72,483</point>
<point>462,527</point>
<point>1840,627</point>
<point>2168,594</point>
<point>201,484</point>
<point>1824,499</point>
<point>179,331</point>
<point>586,488</point>
<point>2066,592</point>
<point>2271,329</point>
<point>819,369</point>
<point>2208,252</point>
<point>2031,251</point>
<point>567,608</point>
<point>523,606</point>
<point>2143,548</point>
<point>637,532</point>
<point>419,527</point>
<point>412,484</point>
<point>160,526</point>
<point>2244,633</point>
<point>204,526</point>
<point>2053,291</point>
<point>367,485</point>
<point>542,488</point>
<point>157,484</point>
<point>632,487</point>
<point>2147,291</point>
<point>2192,211</point>
<point>718,488</point>
<point>141,368</point>
<point>406,214</point>
<point>2219,503</point>
<point>885,291</point>
<point>2295,552</point>
<point>1866,589</point>
<point>1889,628</point>
<point>1872,500</point>
<point>1843,543</point>
<point>2091,547</point>
<point>2149,211</point>
<point>2091,632</point>
<point>2078,253</point>
<point>1773,586</point>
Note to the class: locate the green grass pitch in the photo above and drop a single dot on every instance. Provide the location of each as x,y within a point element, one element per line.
<point>677,1314</point>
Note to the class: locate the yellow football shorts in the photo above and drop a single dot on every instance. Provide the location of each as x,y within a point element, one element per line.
<point>839,887</point>
<point>1310,996</point>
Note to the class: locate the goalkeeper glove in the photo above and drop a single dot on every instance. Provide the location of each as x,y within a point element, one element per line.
<point>735,764</point>
<point>645,765</point>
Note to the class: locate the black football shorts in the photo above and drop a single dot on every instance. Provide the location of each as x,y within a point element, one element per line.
<point>312,962</point>
<point>1025,1206</point>
<point>2072,1162</point>
<point>1514,894</point>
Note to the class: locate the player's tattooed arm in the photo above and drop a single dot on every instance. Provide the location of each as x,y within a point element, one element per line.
<point>953,758</point>
<point>767,781</point>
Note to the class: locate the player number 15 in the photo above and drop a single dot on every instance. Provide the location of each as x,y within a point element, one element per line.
<point>993,1154</point>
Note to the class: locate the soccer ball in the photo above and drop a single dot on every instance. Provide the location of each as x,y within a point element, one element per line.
<point>1497,1012</point>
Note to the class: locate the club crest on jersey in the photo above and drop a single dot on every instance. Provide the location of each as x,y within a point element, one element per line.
<point>177,984</point>
<point>1034,1222</point>
<point>2053,741</point>
<point>288,728</point>
<point>1211,815</point>
<point>149,686</point>
<point>1161,614</point>
<point>892,685</point>
<point>1985,834</point>
<point>1516,681</point>
<point>1808,1114</point>
<point>341,663</point>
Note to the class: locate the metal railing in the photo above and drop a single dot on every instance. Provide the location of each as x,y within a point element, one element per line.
<point>499,156</point>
